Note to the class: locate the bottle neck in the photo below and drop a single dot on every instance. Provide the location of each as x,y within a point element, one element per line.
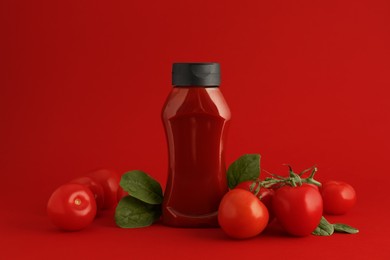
<point>195,86</point>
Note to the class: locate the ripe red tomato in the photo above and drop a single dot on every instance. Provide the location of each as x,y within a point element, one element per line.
<point>121,193</point>
<point>265,196</point>
<point>339,197</point>
<point>313,186</point>
<point>298,209</point>
<point>241,214</point>
<point>109,180</point>
<point>96,189</point>
<point>71,207</point>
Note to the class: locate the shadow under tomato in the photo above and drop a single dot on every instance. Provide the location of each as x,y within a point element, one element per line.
<point>105,219</point>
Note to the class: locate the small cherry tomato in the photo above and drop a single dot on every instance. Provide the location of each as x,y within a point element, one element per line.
<point>298,209</point>
<point>339,197</point>
<point>265,196</point>
<point>109,180</point>
<point>241,214</point>
<point>96,189</point>
<point>72,207</point>
<point>121,193</point>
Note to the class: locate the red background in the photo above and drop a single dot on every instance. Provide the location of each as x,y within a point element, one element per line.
<point>83,83</point>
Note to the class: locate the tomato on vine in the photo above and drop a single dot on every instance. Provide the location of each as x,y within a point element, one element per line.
<point>241,214</point>
<point>298,209</point>
<point>339,197</point>
<point>264,194</point>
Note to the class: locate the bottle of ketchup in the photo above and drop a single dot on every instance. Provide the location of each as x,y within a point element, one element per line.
<point>196,119</point>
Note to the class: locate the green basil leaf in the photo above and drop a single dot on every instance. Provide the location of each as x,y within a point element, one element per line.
<point>324,228</point>
<point>245,168</point>
<point>143,187</point>
<point>344,228</point>
<point>133,213</point>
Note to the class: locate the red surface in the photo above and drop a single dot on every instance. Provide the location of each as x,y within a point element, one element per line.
<point>196,121</point>
<point>83,84</point>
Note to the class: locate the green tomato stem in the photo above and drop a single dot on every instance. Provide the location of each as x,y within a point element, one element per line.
<point>312,181</point>
<point>293,179</point>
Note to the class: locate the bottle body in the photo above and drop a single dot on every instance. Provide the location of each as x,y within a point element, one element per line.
<point>195,121</point>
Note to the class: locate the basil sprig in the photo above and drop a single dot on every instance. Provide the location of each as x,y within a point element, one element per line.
<point>245,168</point>
<point>142,207</point>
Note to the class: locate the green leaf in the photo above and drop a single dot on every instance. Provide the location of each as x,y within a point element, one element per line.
<point>133,213</point>
<point>324,228</point>
<point>245,168</point>
<point>344,228</point>
<point>143,187</point>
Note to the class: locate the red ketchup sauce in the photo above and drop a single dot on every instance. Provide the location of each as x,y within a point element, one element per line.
<point>196,119</point>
